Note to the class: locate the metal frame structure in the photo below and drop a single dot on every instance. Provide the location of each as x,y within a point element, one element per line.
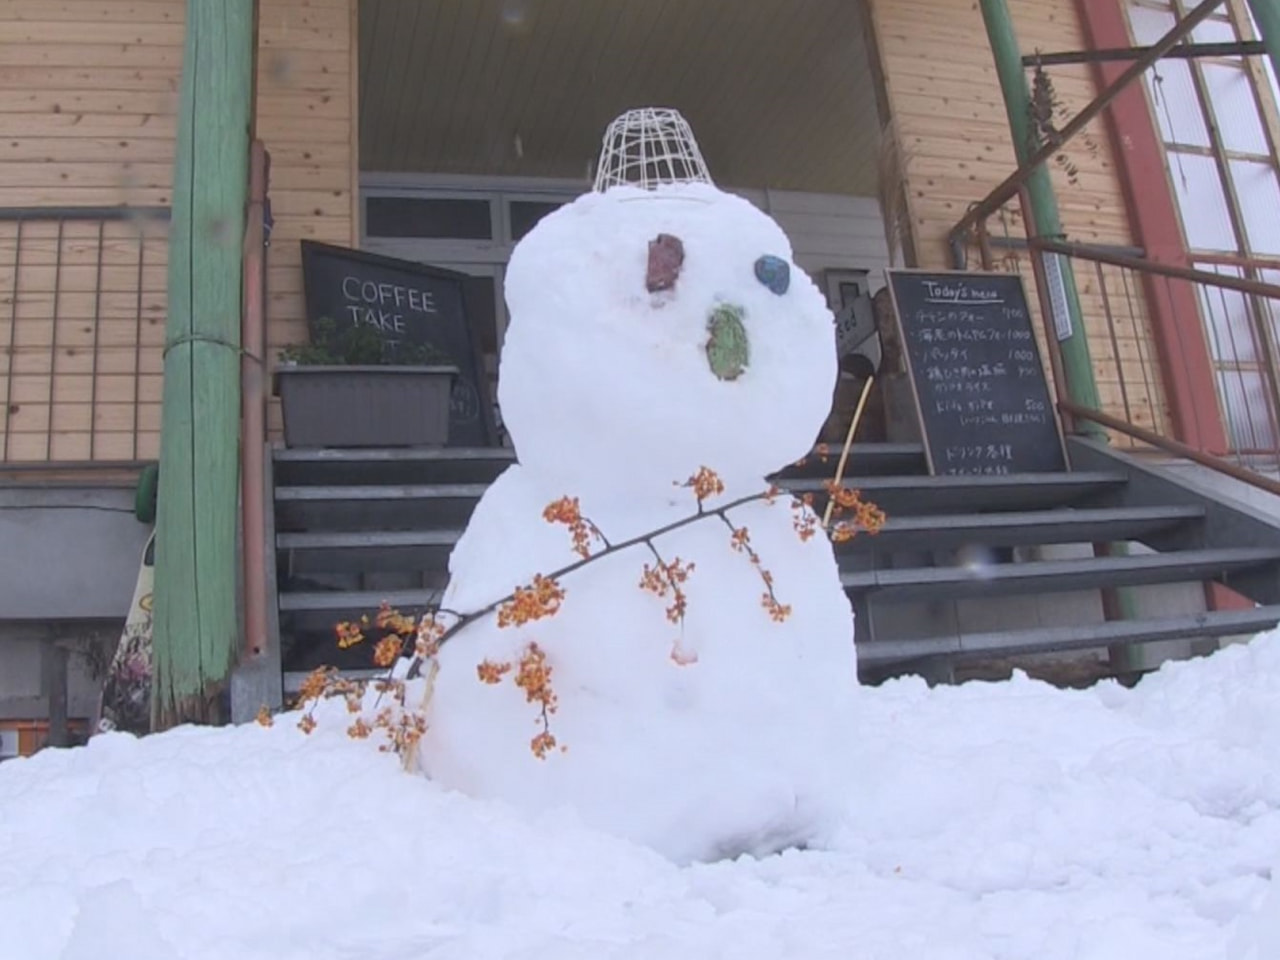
<point>1008,189</point>
<point>1186,51</point>
<point>973,227</point>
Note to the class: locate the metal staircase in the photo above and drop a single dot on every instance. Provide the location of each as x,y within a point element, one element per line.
<point>966,569</point>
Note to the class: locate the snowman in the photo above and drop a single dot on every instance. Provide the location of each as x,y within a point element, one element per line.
<point>689,686</point>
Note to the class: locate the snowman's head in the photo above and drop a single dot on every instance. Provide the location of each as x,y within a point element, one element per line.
<point>656,331</point>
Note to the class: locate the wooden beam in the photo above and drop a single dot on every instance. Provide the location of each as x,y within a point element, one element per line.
<point>1188,51</point>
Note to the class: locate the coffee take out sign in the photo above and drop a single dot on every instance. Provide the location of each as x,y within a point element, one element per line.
<point>383,305</point>
<point>406,303</point>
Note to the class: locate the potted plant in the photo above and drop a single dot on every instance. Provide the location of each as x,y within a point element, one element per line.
<point>345,389</point>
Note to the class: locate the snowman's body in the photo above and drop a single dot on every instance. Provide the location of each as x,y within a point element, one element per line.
<point>708,735</point>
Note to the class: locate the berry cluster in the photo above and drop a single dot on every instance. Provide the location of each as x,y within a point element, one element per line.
<point>540,599</point>
<point>567,511</point>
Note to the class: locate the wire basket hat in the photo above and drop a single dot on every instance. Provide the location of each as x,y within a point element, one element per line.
<point>647,147</point>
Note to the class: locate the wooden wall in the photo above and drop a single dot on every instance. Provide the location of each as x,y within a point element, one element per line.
<point>306,118</point>
<point>945,99</point>
<point>88,92</point>
<point>88,97</point>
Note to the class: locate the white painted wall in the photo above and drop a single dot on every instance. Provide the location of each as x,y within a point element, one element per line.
<point>832,231</point>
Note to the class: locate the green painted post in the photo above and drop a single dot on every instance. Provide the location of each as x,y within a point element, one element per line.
<point>1267,15</point>
<point>196,627</point>
<point>1080,384</point>
<point>1077,365</point>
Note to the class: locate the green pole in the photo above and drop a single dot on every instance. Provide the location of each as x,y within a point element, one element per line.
<point>1266,13</point>
<point>196,628</point>
<point>1077,365</point>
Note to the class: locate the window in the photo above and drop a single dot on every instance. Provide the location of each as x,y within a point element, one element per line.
<point>428,218</point>
<point>1217,118</point>
<point>525,214</point>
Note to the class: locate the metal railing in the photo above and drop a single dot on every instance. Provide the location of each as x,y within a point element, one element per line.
<point>1236,316</point>
<point>1220,308</point>
<point>1209,335</point>
<point>82,317</point>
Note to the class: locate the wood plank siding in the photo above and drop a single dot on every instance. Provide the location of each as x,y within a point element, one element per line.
<point>88,95</point>
<point>306,117</point>
<point>945,100</point>
<point>88,92</point>
<point>775,89</point>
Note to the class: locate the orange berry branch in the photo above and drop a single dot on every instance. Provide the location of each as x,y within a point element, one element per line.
<point>740,540</point>
<point>421,638</point>
<point>550,591</point>
<point>534,678</point>
<point>705,485</point>
<point>566,511</point>
<point>866,516</point>
<point>666,577</point>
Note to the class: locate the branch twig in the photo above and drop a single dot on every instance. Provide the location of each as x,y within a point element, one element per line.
<point>465,620</point>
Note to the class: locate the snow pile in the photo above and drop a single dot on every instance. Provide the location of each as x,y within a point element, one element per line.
<point>1258,937</point>
<point>611,397</point>
<point>991,822</point>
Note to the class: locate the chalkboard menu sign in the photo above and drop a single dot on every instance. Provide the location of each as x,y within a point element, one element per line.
<point>407,303</point>
<point>975,368</point>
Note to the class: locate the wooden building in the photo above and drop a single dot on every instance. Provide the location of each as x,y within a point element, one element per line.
<point>438,130</point>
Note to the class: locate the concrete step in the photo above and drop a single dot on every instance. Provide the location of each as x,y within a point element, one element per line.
<point>394,467</point>
<point>322,610</point>
<point>929,496</point>
<point>293,679</point>
<point>865,460</point>
<point>899,586</point>
<point>361,551</point>
<point>976,646</point>
<point>368,507</point>
<point>436,506</point>
<point>428,465</point>
<point>1054,576</point>
<point>888,654</point>
<point>1022,528</point>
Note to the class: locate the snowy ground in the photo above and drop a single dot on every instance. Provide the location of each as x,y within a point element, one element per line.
<point>991,821</point>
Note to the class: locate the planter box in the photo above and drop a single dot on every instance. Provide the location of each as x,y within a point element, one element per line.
<point>379,406</point>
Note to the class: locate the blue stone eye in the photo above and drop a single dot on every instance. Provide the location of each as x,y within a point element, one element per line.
<point>774,273</point>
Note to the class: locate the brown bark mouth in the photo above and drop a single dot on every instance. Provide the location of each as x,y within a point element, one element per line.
<point>666,258</point>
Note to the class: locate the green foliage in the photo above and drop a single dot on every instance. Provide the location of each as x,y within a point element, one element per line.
<point>358,345</point>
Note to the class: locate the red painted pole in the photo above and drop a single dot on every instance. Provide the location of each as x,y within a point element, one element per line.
<point>1182,348</point>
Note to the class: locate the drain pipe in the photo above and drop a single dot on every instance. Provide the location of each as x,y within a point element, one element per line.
<point>256,680</point>
<point>1074,345</point>
<point>253,363</point>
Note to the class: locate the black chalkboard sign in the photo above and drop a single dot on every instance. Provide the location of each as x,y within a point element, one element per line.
<point>976,371</point>
<point>405,302</point>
